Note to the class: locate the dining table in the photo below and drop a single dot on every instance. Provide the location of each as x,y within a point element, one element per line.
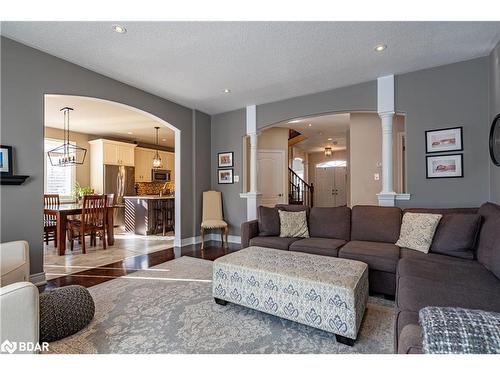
<point>63,210</point>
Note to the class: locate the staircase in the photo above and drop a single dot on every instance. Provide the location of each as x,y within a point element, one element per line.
<point>299,191</point>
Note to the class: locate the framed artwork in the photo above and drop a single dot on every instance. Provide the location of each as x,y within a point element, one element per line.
<point>6,160</point>
<point>445,166</point>
<point>225,159</point>
<point>225,176</point>
<point>443,140</point>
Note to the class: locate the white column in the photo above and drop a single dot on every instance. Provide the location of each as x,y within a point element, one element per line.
<point>385,109</point>
<point>252,196</point>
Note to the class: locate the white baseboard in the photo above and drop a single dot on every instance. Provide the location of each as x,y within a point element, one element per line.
<point>209,237</point>
<point>38,279</point>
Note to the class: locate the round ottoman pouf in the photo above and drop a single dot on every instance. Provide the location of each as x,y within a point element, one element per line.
<point>64,311</point>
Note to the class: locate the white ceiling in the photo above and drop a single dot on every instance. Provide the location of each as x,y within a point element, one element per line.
<point>105,119</point>
<point>321,128</point>
<point>192,62</point>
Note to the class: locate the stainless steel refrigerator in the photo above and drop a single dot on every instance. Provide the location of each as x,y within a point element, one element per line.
<point>119,180</point>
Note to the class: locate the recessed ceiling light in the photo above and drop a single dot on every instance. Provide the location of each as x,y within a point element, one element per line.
<point>226,91</point>
<point>309,125</point>
<point>330,139</point>
<point>164,139</point>
<point>119,29</point>
<point>380,47</point>
<point>130,133</point>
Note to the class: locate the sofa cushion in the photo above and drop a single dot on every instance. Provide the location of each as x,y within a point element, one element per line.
<point>457,273</point>
<point>319,246</point>
<point>330,222</point>
<point>379,256</point>
<point>374,223</point>
<point>456,235</point>
<point>417,230</point>
<point>269,221</point>
<point>281,243</point>
<point>488,248</point>
<point>440,258</point>
<point>293,224</point>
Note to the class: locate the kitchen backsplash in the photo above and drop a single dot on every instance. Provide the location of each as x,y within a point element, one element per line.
<point>148,188</point>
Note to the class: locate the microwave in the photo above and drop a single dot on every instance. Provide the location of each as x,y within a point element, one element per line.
<point>160,175</point>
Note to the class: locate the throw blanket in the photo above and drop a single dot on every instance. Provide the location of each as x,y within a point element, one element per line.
<point>452,330</point>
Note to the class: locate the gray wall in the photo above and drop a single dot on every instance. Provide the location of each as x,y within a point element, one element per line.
<point>228,130</point>
<point>441,97</point>
<point>445,96</point>
<point>27,74</point>
<point>494,110</point>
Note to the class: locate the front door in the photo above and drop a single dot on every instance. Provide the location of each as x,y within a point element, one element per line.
<point>330,187</point>
<point>271,177</point>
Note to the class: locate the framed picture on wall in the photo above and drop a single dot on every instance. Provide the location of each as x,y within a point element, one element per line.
<point>6,160</point>
<point>443,140</point>
<point>225,176</point>
<point>445,166</point>
<point>225,159</point>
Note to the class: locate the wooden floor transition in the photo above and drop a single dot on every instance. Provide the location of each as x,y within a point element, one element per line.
<point>98,275</point>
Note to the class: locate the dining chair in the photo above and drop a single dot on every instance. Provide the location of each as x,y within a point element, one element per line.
<point>50,220</point>
<point>92,222</point>
<point>212,217</point>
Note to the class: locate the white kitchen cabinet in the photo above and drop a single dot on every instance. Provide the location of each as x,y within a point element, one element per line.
<point>113,152</point>
<point>143,164</point>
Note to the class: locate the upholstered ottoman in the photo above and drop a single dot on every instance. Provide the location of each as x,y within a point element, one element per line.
<point>322,292</point>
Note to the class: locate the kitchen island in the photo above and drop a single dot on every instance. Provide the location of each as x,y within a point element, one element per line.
<point>149,214</point>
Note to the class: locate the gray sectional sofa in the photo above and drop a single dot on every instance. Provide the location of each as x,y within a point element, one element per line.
<point>461,269</point>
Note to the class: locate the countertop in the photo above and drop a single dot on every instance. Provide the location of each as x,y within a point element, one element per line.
<point>149,197</point>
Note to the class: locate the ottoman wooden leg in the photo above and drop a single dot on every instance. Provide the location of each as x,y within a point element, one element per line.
<point>345,340</point>
<point>220,301</point>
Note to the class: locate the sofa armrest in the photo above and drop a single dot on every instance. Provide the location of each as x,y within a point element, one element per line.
<point>19,318</point>
<point>249,230</point>
<point>15,264</point>
<point>411,340</point>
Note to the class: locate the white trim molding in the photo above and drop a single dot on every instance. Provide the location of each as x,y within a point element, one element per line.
<point>209,237</point>
<point>38,278</point>
<point>403,197</point>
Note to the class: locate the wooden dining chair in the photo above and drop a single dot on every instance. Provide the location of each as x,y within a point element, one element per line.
<point>92,222</point>
<point>50,220</point>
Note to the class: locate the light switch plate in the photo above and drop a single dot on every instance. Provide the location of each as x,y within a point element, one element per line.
<point>236,178</point>
<point>376,176</point>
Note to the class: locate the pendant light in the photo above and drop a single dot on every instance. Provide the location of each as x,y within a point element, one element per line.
<point>156,158</point>
<point>67,154</point>
<point>328,151</point>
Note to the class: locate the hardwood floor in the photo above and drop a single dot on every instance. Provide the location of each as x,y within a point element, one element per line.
<point>98,275</point>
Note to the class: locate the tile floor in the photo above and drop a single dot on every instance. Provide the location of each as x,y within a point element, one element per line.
<point>126,245</point>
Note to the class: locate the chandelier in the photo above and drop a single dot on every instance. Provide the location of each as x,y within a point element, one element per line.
<point>68,153</point>
<point>328,152</point>
<point>156,158</point>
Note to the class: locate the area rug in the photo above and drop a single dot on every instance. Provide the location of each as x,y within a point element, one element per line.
<point>169,309</point>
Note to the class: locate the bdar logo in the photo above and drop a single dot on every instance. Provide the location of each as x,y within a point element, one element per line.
<point>9,347</point>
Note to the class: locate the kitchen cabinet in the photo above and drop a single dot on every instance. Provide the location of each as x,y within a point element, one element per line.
<point>144,163</point>
<point>114,153</point>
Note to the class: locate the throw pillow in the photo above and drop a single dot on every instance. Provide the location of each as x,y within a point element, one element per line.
<point>456,235</point>
<point>269,221</point>
<point>417,231</point>
<point>293,224</point>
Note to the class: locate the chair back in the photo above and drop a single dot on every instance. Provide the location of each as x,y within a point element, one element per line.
<point>93,210</point>
<point>212,205</point>
<point>110,200</point>
<point>50,200</point>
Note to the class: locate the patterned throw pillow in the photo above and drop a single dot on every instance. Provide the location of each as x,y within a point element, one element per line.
<point>293,224</point>
<point>417,231</point>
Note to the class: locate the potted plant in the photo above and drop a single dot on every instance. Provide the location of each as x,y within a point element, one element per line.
<point>80,191</point>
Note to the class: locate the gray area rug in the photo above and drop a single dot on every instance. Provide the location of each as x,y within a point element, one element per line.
<point>169,309</point>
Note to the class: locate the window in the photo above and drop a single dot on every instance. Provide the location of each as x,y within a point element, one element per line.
<point>332,163</point>
<point>58,180</point>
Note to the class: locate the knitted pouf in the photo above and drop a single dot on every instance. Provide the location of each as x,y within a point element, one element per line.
<point>64,311</point>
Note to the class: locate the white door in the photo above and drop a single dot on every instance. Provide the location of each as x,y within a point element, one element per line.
<point>271,178</point>
<point>324,187</point>
<point>330,187</point>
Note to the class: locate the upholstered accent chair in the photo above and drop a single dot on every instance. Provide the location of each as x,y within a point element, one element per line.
<point>15,262</point>
<point>212,217</point>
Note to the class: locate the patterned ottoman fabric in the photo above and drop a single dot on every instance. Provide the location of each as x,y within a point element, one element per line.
<point>454,330</point>
<point>323,292</point>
